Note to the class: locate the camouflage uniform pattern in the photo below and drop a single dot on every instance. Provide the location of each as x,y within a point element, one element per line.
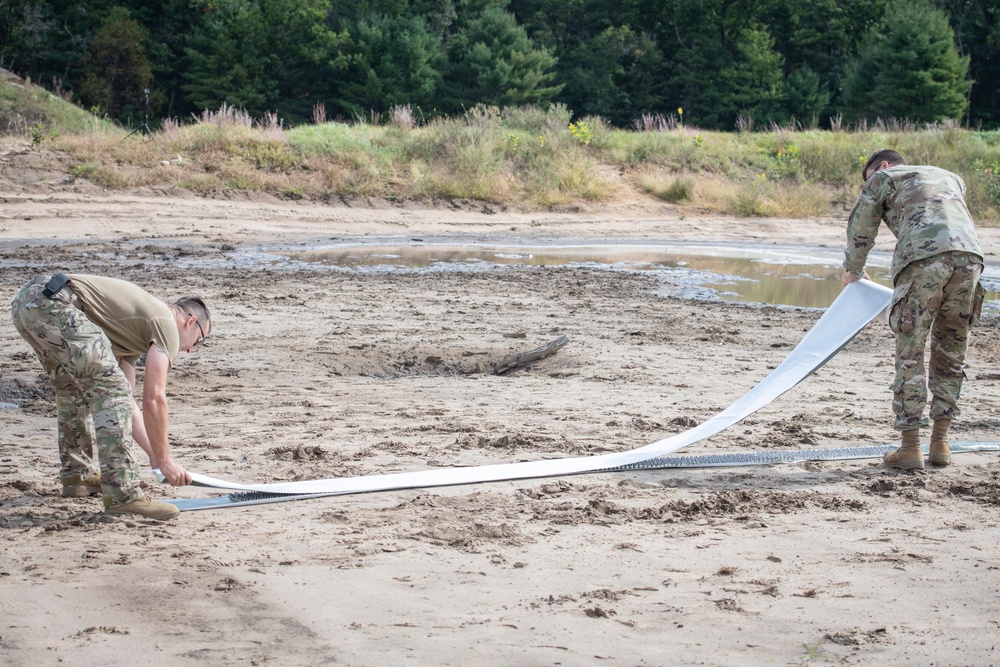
<point>942,296</point>
<point>935,269</point>
<point>923,207</point>
<point>93,396</point>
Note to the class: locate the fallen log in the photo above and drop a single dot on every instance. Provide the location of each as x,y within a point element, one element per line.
<point>525,358</point>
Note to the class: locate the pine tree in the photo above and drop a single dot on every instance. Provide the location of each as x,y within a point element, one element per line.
<point>228,60</point>
<point>753,83</point>
<point>909,69</point>
<point>807,97</point>
<point>495,63</point>
<point>390,61</point>
<point>723,63</point>
<point>261,55</point>
<point>118,71</point>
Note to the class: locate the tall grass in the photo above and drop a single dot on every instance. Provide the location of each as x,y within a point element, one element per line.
<point>525,157</point>
<point>34,113</point>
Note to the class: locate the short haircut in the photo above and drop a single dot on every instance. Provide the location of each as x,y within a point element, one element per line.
<point>194,305</point>
<point>884,155</point>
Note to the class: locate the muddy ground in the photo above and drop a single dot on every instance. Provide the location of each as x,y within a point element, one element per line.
<point>315,374</point>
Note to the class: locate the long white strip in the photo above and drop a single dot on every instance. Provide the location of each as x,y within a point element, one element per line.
<point>854,308</point>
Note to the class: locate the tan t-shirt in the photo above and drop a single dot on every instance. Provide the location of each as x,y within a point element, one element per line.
<point>131,318</point>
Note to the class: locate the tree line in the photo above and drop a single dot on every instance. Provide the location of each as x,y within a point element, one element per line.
<point>716,64</point>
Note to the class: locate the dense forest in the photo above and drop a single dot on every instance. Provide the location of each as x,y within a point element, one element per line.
<point>714,64</point>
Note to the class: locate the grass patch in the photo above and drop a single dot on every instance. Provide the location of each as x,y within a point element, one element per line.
<point>34,113</point>
<point>527,157</point>
<point>665,186</point>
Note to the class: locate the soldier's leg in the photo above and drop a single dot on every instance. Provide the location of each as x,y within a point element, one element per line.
<point>79,474</point>
<point>106,389</point>
<point>950,336</point>
<point>75,429</point>
<point>915,303</point>
<point>74,425</point>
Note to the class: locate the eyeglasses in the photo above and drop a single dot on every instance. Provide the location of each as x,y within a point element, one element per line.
<point>202,338</point>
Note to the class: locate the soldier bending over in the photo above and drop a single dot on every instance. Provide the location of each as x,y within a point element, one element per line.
<point>935,273</point>
<point>89,332</point>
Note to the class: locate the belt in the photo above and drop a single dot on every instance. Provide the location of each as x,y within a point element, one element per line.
<point>55,285</point>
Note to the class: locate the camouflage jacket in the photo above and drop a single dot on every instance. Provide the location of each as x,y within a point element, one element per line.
<point>924,208</point>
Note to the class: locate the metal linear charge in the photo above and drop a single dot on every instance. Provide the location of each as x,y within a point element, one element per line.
<point>775,456</point>
<point>725,460</point>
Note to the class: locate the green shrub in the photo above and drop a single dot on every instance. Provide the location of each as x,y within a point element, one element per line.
<point>677,191</point>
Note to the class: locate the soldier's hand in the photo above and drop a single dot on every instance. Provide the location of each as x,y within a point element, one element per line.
<point>174,474</point>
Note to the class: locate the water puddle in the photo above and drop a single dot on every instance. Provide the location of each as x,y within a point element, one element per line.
<point>788,276</point>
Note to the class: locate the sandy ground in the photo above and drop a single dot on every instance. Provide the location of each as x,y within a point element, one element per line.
<point>312,375</point>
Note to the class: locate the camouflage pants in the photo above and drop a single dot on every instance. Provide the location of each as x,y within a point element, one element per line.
<point>940,296</point>
<point>93,397</point>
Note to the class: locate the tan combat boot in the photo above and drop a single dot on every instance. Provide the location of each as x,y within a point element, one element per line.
<point>81,486</point>
<point>144,506</point>
<point>908,456</point>
<point>940,453</point>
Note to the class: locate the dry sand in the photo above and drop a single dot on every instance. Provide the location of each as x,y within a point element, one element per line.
<point>312,375</point>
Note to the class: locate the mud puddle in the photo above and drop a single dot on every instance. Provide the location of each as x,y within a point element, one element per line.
<point>809,278</point>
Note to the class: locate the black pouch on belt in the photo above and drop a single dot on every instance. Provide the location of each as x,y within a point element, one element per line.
<point>57,282</point>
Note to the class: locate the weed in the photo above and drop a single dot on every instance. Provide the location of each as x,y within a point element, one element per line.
<point>752,199</point>
<point>798,200</point>
<point>989,176</point>
<point>745,123</point>
<point>656,122</point>
<point>84,170</point>
<point>678,190</point>
<point>402,116</point>
<point>581,132</point>
<point>37,134</point>
<point>269,156</point>
<point>813,653</point>
<point>319,113</point>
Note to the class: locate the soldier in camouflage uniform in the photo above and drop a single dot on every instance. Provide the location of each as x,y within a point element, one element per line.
<point>89,332</point>
<point>935,271</point>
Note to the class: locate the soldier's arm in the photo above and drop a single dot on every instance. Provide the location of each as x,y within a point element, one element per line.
<point>862,227</point>
<point>156,416</point>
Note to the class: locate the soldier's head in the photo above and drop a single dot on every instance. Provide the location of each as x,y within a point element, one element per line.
<point>881,159</point>
<point>194,322</point>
